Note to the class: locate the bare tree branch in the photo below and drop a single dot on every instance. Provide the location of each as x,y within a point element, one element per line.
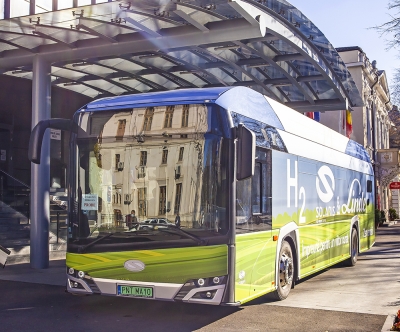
<point>391,30</point>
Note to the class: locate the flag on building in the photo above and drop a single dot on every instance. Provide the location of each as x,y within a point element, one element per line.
<point>312,115</point>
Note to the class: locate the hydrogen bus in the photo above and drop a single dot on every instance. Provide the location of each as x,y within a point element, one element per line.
<point>214,196</point>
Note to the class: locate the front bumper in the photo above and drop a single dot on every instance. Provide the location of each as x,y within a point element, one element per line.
<point>161,291</point>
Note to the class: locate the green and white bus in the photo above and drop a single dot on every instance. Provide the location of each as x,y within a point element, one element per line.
<point>233,195</point>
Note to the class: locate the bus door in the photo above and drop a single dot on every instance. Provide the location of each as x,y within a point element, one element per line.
<point>255,250</point>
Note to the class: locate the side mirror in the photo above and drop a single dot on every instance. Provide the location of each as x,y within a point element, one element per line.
<point>35,142</point>
<point>246,152</point>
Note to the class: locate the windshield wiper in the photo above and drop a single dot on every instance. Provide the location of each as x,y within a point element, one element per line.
<point>82,249</point>
<point>195,238</point>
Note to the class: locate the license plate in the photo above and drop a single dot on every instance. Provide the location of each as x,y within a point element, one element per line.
<point>135,291</point>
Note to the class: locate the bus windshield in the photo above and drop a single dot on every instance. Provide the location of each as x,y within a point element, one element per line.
<point>152,177</point>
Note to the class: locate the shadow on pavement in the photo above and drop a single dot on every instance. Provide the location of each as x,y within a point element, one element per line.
<point>34,307</point>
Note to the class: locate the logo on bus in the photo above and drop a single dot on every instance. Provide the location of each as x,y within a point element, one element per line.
<point>356,201</point>
<point>134,265</point>
<point>323,174</point>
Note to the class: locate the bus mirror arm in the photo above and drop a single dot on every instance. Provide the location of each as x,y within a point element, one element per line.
<point>35,142</point>
<point>246,152</point>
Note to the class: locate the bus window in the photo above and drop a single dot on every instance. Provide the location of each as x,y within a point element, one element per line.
<point>253,197</point>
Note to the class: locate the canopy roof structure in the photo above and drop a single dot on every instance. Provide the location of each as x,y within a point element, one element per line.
<point>128,47</point>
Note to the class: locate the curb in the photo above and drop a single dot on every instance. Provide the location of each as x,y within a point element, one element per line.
<point>388,323</point>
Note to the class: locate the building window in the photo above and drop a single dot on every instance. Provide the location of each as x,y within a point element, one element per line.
<point>369,127</point>
<point>185,115</point>
<point>117,198</point>
<point>180,158</point>
<point>117,160</point>
<point>143,158</point>
<point>164,159</point>
<point>142,198</point>
<point>168,117</point>
<point>148,118</point>
<point>163,200</point>
<point>120,130</point>
<point>178,198</point>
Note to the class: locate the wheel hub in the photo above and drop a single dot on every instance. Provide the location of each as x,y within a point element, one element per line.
<point>286,270</point>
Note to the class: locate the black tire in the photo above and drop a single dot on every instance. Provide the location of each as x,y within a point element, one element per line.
<point>353,248</point>
<point>286,272</point>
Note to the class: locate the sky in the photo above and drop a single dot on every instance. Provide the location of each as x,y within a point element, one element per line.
<point>349,22</point>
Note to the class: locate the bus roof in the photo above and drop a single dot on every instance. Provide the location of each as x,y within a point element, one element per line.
<point>247,102</point>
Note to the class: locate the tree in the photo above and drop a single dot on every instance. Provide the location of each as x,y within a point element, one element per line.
<point>394,132</point>
<point>392,28</point>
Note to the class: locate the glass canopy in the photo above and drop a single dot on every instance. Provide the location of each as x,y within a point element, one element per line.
<point>125,47</point>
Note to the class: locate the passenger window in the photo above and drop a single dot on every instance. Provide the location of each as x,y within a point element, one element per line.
<point>253,197</point>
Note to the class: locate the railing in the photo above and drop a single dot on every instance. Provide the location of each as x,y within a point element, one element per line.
<point>58,216</point>
<point>15,212</point>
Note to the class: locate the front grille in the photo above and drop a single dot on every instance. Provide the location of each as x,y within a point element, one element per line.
<point>184,291</point>
<point>93,286</point>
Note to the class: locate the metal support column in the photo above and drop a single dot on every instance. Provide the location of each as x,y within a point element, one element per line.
<point>40,174</point>
<point>7,9</point>
<point>32,7</point>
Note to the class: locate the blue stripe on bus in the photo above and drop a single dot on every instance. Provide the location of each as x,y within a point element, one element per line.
<point>356,150</point>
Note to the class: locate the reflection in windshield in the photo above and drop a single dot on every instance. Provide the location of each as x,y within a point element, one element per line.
<point>253,197</point>
<point>148,169</point>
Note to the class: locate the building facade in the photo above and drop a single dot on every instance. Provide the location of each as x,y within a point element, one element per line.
<point>370,123</point>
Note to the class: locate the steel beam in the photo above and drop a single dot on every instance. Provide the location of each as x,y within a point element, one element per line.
<point>288,57</point>
<point>221,32</point>
<point>40,174</point>
<point>319,105</point>
<point>7,9</point>
<point>278,67</point>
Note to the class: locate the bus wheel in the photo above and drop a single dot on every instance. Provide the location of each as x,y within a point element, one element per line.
<point>286,272</point>
<point>353,248</point>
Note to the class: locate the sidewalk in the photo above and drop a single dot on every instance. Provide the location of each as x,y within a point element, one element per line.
<point>54,275</point>
<point>21,254</point>
<point>371,287</point>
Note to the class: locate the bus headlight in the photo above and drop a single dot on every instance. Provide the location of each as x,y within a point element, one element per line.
<point>201,282</point>
<point>81,274</point>
<point>216,280</point>
<point>71,271</point>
